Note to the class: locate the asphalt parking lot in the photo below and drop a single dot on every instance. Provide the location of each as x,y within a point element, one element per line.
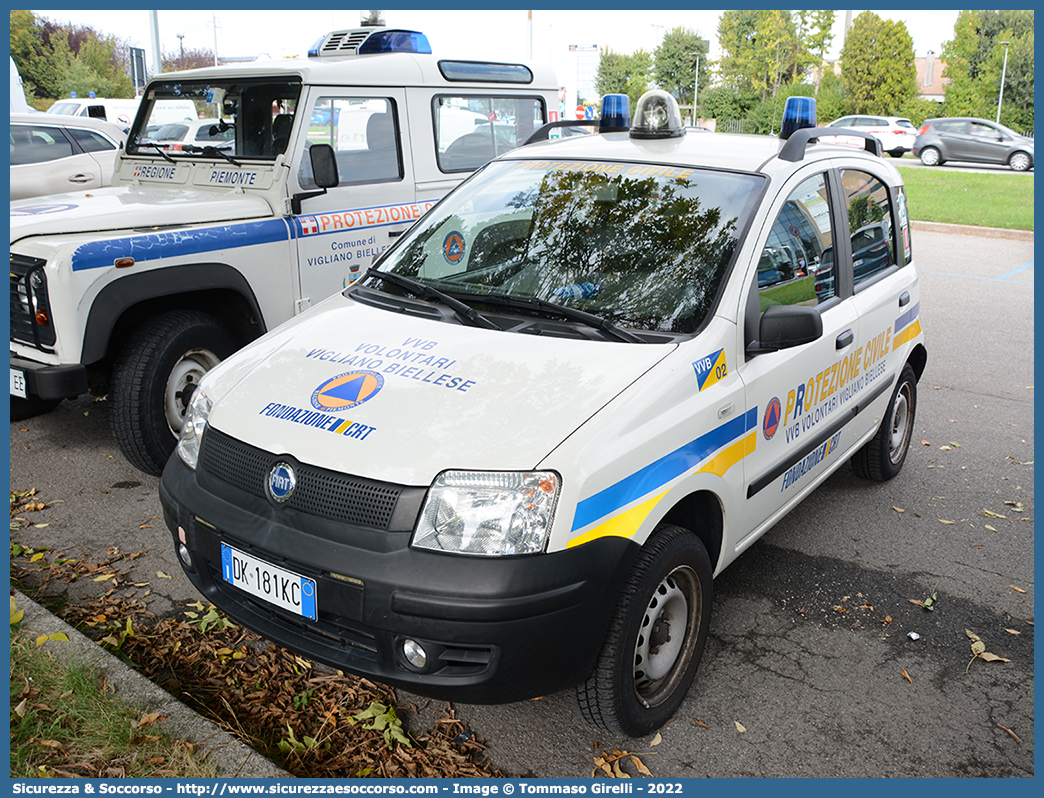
<point>810,670</point>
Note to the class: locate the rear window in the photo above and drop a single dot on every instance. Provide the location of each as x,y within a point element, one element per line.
<point>644,246</point>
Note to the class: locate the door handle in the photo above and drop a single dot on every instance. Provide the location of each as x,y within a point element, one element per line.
<point>81,178</point>
<point>844,340</point>
<point>904,299</point>
<point>395,233</point>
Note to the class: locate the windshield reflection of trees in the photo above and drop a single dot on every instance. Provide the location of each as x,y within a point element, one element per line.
<point>646,253</point>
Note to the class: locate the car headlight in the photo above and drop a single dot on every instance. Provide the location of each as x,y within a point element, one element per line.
<point>192,429</point>
<point>488,513</point>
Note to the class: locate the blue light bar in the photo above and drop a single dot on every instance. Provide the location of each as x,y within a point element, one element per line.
<point>616,112</point>
<point>798,113</point>
<point>396,41</point>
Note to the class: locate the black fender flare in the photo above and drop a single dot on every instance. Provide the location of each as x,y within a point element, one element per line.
<point>131,289</point>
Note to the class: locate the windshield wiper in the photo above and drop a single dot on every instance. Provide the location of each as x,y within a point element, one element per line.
<point>209,152</point>
<point>572,314</point>
<point>220,154</point>
<point>158,148</point>
<point>465,313</point>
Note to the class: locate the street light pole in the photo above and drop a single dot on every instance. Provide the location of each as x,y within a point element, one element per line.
<point>695,88</point>
<point>1004,71</point>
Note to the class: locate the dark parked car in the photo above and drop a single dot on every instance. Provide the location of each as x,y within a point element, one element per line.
<point>968,139</point>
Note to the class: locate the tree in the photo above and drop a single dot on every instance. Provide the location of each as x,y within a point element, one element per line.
<point>54,60</point>
<point>624,74</point>
<point>675,63</point>
<point>878,65</point>
<point>188,59</point>
<point>818,37</point>
<point>974,62</point>
<point>611,77</point>
<point>737,36</point>
<point>640,67</point>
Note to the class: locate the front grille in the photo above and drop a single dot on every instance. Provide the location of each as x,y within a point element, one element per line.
<point>29,296</point>
<point>321,492</point>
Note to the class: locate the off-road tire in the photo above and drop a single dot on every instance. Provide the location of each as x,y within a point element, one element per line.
<point>145,428</point>
<point>623,695</point>
<point>883,456</point>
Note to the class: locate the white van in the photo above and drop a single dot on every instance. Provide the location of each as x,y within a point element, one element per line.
<point>121,112</point>
<point>18,103</point>
<point>137,290</point>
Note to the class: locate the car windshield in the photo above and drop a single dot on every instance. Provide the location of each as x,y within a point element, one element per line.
<point>643,246</point>
<point>249,113</point>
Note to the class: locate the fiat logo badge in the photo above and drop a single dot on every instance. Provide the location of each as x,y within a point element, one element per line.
<point>281,482</point>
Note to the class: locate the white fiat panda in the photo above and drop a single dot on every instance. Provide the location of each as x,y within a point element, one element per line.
<point>511,457</point>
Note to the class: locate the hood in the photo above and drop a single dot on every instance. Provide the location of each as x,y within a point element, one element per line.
<point>391,397</point>
<point>124,207</point>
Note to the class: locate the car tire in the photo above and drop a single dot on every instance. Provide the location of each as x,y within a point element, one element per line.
<point>645,668</point>
<point>1020,161</point>
<point>154,378</point>
<point>883,456</point>
<point>931,157</point>
<point>22,409</point>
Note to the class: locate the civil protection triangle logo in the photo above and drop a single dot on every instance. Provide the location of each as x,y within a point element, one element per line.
<point>346,391</point>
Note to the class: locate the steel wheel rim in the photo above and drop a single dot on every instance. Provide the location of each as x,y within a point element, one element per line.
<point>659,662</point>
<point>901,423</point>
<point>182,383</point>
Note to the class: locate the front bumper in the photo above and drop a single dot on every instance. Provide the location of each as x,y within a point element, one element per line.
<point>52,382</point>
<point>497,629</point>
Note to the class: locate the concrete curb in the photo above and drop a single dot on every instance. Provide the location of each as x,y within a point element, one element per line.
<point>972,230</point>
<point>232,758</point>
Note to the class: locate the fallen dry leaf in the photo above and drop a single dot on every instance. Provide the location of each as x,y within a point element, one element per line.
<point>641,766</point>
<point>898,509</point>
<point>1013,631</point>
<point>941,521</point>
<point>740,727</point>
<point>1017,589</point>
<point>656,740</point>
<point>906,676</point>
<point>151,719</point>
<point>700,723</point>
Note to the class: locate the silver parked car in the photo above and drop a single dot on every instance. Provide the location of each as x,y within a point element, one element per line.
<point>52,154</point>
<point>970,139</point>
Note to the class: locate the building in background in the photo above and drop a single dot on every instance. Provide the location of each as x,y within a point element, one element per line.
<point>931,85</point>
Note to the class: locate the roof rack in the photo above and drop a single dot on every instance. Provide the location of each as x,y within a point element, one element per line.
<point>794,149</point>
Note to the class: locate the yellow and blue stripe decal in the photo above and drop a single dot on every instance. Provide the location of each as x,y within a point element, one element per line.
<point>177,243</point>
<point>711,369</point>
<point>613,511</point>
<point>907,326</point>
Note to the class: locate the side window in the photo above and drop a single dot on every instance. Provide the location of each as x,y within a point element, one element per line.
<point>869,224</point>
<point>472,130</point>
<point>797,266</point>
<point>365,137</point>
<point>36,144</point>
<point>90,140</point>
<point>983,131</point>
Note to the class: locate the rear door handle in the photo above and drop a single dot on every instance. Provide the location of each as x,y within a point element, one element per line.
<point>904,299</point>
<point>81,178</point>
<point>844,340</point>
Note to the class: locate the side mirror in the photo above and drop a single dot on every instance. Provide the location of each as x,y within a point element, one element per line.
<point>324,166</point>
<point>324,172</point>
<point>786,326</point>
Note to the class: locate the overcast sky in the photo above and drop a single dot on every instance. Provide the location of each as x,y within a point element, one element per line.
<point>477,34</point>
